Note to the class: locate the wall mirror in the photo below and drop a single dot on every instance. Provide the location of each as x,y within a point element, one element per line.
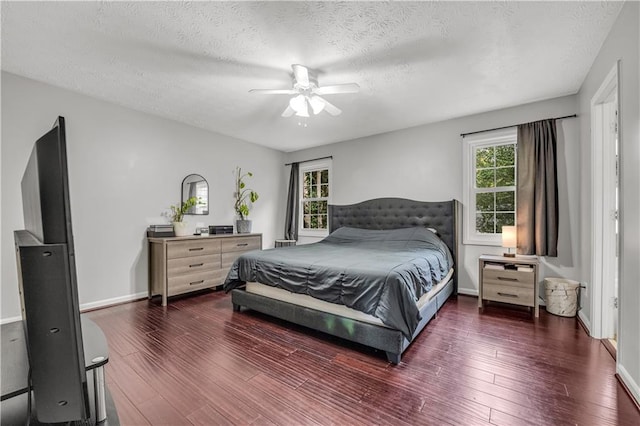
<point>196,186</point>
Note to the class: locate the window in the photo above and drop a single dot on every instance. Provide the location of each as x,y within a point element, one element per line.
<point>315,178</point>
<point>490,185</point>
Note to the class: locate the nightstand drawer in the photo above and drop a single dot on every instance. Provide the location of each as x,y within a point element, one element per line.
<point>193,264</point>
<point>514,294</point>
<point>191,282</point>
<point>241,244</point>
<point>522,279</point>
<point>193,247</point>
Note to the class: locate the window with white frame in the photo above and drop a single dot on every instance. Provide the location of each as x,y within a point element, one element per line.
<point>489,191</point>
<point>315,195</point>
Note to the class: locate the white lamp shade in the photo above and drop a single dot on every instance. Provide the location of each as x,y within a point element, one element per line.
<point>299,105</point>
<point>509,236</point>
<point>317,104</point>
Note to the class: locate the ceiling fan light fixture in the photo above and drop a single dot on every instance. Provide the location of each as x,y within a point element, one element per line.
<point>307,93</point>
<point>317,104</point>
<point>298,103</point>
<point>303,113</point>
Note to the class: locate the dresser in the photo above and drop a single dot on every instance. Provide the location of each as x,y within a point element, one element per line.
<point>180,265</point>
<point>511,280</point>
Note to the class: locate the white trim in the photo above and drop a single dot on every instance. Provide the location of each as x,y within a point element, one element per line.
<point>601,207</point>
<point>631,384</point>
<point>468,292</point>
<point>585,321</point>
<point>10,319</point>
<point>324,163</point>
<point>471,142</point>
<point>95,305</point>
<point>113,301</point>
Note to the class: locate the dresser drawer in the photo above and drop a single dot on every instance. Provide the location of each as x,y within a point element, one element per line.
<point>522,279</point>
<point>194,247</point>
<point>229,258</point>
<point>192,265</point>
<point>516,295</point>
<point>192,282</point>
<point>241,244</point>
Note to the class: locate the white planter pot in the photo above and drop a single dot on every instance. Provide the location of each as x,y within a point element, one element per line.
<point>181,229</point>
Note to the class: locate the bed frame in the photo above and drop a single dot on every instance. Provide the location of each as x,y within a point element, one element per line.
<point>380,213</point>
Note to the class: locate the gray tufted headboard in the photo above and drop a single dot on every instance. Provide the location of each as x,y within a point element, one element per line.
<point>392,213</point>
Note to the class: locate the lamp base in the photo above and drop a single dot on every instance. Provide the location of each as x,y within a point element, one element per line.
<point>509,254</point>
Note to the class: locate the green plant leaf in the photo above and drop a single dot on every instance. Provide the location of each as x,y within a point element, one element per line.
<point>242,194</point>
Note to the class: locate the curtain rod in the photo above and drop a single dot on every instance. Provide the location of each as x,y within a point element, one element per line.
<point>313,159</point>
<point>506,127</point>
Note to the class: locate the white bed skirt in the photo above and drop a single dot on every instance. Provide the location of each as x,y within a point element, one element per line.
<point>333,308</point>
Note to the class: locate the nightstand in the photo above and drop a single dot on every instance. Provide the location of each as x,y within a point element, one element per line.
<point>511,280</point>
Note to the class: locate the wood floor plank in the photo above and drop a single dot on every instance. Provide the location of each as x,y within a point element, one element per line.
<point>158,411</point>
<point>126,409</point>
<point>207,415</point>
<point>198,362</point>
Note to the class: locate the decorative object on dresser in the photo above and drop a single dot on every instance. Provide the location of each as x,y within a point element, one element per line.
<point>512,280</point>
<point>178,211</point>
<point>180,265</point>
<point>243,225</point>
<point>163,230</point>
<point>221,229</point>
<point>198,187</point>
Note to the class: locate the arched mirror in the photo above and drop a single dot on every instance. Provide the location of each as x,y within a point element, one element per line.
<point>196,186</point>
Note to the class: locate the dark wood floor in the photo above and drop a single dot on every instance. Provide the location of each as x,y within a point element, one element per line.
<point>197,362</point>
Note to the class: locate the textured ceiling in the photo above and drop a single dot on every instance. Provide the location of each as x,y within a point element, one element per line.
<point>416,62</point>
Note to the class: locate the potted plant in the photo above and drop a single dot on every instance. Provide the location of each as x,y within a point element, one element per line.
<point>244,196</point>
<point>177,214</point>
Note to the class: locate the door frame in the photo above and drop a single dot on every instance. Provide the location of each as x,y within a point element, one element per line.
<point>604,263</point>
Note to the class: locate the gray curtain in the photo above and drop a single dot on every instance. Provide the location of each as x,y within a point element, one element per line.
<point>537,189</point>
<point>291,219</point>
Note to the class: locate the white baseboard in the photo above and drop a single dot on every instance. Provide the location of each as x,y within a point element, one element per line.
<point>10,319</point>
<point>631,384</point>
<point>94,305</point>
<point>585,321</point>
<point>114,301</point>
<point>468,292</point>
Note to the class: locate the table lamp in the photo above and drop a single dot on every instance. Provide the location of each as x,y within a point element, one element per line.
<point>509,240</point>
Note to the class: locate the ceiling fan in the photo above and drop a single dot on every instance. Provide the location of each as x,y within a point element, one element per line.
<point>306,93</point>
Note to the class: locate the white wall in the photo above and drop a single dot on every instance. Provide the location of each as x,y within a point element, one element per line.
<point>621,44</point>
<point>425,163</point>
<point>125,169</point>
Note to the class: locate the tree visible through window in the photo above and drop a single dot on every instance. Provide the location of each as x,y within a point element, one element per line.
<point>315,199</point>
<point>495,180</point>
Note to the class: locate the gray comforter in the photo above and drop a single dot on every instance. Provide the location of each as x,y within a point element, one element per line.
<point>381,273</point>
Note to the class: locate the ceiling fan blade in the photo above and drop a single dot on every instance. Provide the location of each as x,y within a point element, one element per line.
<point>274,91</point>
<point>288,112</point>
<point>337,89</point>
<point>330,108</point>
<point>301,74</point>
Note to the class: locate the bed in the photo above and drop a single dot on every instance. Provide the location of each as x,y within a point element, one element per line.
<point>377,280</point>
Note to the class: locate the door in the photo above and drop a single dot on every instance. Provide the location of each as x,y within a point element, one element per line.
<point>605,204</point>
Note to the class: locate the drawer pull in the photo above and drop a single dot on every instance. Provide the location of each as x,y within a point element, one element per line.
<point>242,244</point>
<point>196,249</point>
<point>195,265</point>
<point>507,295</point>
<point>197,282</point>
<point>507,279</point>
